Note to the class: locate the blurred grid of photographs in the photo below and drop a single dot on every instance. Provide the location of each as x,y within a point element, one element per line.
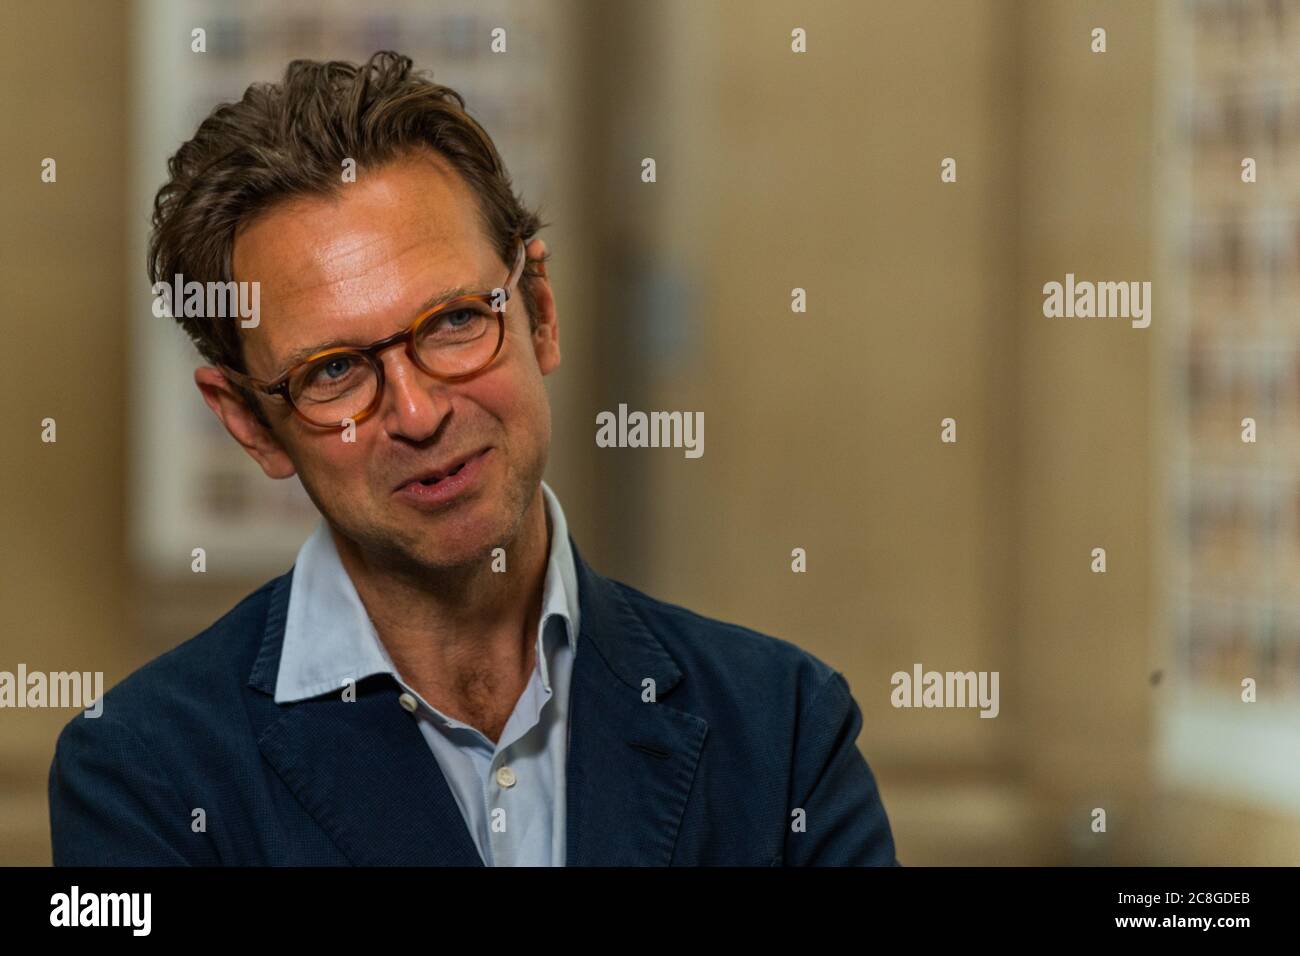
<point>1240,356</point>
<point>1235,577</point>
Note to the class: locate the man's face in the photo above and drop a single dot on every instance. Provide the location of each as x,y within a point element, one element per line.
<point>354,268</point>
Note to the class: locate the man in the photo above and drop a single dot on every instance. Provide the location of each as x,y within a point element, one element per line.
<point>440,678</point>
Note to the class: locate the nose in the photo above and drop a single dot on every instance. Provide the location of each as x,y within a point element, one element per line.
<point>414,404</point>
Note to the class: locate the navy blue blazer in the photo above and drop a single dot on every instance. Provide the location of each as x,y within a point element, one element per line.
<point>746,731</point>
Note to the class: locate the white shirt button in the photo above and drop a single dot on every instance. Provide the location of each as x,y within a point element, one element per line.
<point>506,777</point>
<point>408,702</point>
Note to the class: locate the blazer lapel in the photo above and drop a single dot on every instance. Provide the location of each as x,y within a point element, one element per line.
<point>362,768</point>
<point>364,771</point>
<point>631,761</point>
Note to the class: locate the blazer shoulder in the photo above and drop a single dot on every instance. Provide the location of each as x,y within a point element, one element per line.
<point>179,688</point>
<point>729,655</point>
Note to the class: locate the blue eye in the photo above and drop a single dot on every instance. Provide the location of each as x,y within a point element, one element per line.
<point>337,367</point>
<point>457,327</point>
<point>332,373</point>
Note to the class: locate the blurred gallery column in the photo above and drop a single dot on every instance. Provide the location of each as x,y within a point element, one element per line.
<point>64,584</point>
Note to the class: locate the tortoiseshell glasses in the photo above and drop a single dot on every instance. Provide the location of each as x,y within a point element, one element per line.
<point>449,342</point>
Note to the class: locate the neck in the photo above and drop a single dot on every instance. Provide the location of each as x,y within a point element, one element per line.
<point>463,637</point>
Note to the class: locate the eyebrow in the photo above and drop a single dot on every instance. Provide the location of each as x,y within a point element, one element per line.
<point>438,298</point>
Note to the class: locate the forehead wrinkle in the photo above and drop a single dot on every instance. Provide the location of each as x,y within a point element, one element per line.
<point>328,264</point>
<point>381,287</point>
<point>411,294</point>
<point>345,262</point>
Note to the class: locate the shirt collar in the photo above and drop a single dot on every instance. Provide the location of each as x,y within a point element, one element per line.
<point>329,638</point>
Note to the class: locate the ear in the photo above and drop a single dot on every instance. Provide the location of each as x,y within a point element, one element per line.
<point>546,337</point>
<point>258,440</point>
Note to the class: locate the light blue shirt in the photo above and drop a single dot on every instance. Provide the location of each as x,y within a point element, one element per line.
<point>512,793</point>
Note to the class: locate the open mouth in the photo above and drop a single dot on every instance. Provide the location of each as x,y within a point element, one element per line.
<point>431,478</point>
<point>433,481</point>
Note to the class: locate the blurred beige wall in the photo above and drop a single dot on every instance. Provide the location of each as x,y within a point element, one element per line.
<point>63,588</point>
<point>823,428</point>
<point>1084,457</point>
<point>822,172</point>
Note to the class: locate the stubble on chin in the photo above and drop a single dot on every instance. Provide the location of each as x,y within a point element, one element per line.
<point>409,548</point>
<point>400,544</point>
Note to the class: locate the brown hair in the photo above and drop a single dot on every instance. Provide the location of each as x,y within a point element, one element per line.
<point>290,139</point>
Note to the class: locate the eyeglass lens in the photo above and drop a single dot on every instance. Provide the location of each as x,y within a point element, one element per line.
<point>457,341</point>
